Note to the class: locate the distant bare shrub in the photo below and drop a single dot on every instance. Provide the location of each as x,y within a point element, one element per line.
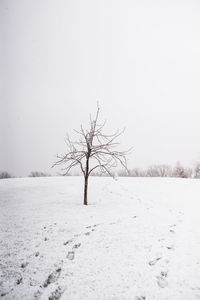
<point>181,172</point>
<point>152,171</point>
<point>137,173</point>
<point>122,173</point>
<point>38,174</point>
<point>164,170</point>
<point>5,174</point>
<point>159,171</point>
<point>197,170</point>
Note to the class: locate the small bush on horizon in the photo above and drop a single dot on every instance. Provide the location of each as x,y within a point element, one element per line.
<point>38,174</point>
<point>181,172</point>
<point>197,170</point>
<point>5,174</point>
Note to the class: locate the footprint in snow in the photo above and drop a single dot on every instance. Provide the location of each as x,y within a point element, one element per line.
<point>91,226</point>
<point>170,247</point>
<point>3,294</point>
<point>67,242</point>
<point>153,262</point>
<point>19,280</point>
<point>161,280</point>
<point>24,265</point>
<point>70,255</point>
<point>76,246</point>
<point>52,277</point>
<point>56,294</point>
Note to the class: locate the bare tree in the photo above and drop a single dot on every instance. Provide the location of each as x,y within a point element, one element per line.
<point>92,151</point>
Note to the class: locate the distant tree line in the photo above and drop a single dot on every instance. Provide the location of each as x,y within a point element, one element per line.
<point>5,174</point>
<point>162,170</point>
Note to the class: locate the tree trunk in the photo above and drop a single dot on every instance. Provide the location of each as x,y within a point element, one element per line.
<point>86,177</point>
<point>85,190</point>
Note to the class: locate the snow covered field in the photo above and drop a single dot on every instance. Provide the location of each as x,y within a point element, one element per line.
<point>139,238</point>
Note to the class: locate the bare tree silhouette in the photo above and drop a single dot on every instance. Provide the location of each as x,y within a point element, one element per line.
<point>93,150</point>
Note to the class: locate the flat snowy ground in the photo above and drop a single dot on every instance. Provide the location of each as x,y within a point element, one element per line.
<point>139,238</point>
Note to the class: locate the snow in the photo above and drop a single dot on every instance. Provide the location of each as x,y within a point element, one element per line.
<point>137,239</point>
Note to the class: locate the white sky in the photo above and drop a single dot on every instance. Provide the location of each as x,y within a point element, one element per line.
<point>140,59</point>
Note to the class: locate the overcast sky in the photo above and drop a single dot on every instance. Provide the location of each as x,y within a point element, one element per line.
<point>140,59</point>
